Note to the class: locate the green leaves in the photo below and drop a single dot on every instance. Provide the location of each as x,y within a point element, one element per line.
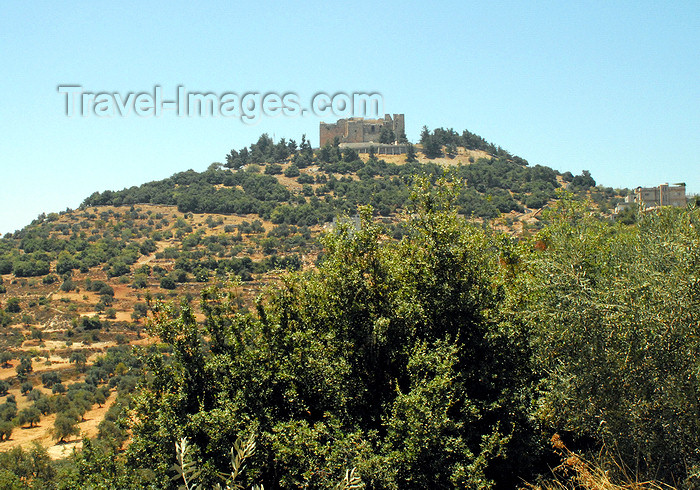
<point>615,313</point>
<point>390,358</point>
<point>185,468</point>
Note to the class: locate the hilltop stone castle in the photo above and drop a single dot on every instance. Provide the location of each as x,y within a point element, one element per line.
<point>653,197</point>
<point>360,130</point>
<point>663,195</point>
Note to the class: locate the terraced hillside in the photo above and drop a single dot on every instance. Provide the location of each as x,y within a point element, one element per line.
<point>77,285</point>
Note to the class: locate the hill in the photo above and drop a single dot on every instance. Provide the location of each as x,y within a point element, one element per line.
<point>249,218</point>
<point>80,282</point>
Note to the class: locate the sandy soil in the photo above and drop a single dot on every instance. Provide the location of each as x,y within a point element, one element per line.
<point>57,364</point>
<point>461,157</point>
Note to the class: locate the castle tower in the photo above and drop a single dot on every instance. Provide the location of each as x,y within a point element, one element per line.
<point>399,125</point>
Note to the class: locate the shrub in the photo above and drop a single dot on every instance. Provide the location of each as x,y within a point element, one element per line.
<point>140,311</point>
<point>12,305</point>
<point>49,279</point>
<point>6,428</point>
<point>345,362</point>
<point>90,323</point>
<point>5,358</point>
<point>273,169</point>
<point>168,282</point>
<point>615,316</point>
<point>305,179</point>
<point>51,378</point>
<point>58,388</point>
<point>140,281</point>
<point>292,171</point>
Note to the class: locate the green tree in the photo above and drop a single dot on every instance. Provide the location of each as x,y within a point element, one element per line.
<point>66,263</point>
<point>372,153</point>
<point>402,137</point>
<point>432,147</point>
<point>411,154</point>
<point>27,468</point>
<point>90,323</point>
<point>58,388</point>
<point>24,368</point>
<point>424,135</point>
<point>34,395</point>
<point>140,281</point>
<point>82,401</point>
<point>26,388</point>
<point>66,425</point>
<point>43,404</point>
<point>6,428</point>
<point>168,282</point>
<point>30,415</point>
<point>101,395</point>
<point>140,311</point>
<point>349,155</point>
<point>387,136</point>
<point>80,360</point>
<point>292,171</point>
<point>325,153</point>
<point>583,181</point>
<point>273,169</point>
<point>50,378</point>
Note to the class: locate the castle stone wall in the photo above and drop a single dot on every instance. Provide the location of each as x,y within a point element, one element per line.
<point>359,130</point>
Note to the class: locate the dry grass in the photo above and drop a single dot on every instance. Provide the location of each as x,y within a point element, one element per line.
<point>575,472</point>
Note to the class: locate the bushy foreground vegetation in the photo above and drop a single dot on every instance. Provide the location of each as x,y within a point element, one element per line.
<point>446,359</point>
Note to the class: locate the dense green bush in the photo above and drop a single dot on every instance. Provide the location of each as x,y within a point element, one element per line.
<point>91,323</point>
<point>50,378</point>
<point>167,282</point>
<point>389,359</point>
<point>305,179</point>
<point>292,171</point>
<point>13,305</point>
<point>615,316</point>
<point>31,268</point>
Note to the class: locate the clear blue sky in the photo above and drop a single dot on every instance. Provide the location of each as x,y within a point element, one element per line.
<point>612,87</point>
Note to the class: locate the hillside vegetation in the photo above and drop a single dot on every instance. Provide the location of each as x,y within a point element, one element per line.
<point>442,339</point>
